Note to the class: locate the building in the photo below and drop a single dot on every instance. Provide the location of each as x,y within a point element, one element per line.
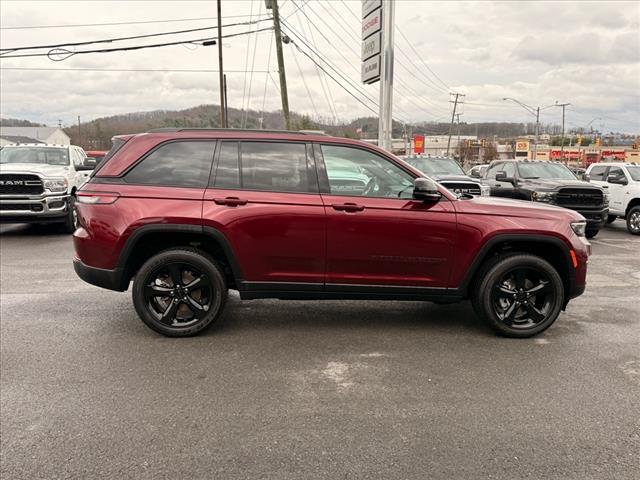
<point>7,139</point>
<point>51,135</point>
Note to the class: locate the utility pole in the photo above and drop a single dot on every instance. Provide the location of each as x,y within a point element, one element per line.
<point>385,118</point>
<point>223,106</point>
<point>283,78</point>
<point>535,142</point>
<point>79,130</point>
<point>458,144</point>
<point>563,105</point>
<point>226,103</point>
<point>453,115</point>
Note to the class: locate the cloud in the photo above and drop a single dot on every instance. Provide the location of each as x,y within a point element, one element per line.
<point>586,54</point>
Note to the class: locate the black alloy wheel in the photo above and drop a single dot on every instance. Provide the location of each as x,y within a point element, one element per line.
<point>522,297</point>
<point>179,292</point>
<point>519,295</point>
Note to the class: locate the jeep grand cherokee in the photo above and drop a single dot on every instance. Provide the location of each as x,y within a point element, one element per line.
<point>189,214</point>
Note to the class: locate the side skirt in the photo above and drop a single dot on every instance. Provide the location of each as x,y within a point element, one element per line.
<point>330,291</point>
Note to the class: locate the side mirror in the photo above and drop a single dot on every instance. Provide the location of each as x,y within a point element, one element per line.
<point>617,180</point>
<point>426,190</point>
<point>502,177</point>
<point>88,163</point>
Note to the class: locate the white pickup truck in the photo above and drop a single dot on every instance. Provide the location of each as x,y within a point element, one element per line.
<point>623,183</point>
<point>38,183</point>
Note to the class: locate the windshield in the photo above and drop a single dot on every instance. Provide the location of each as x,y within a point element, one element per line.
<point>634,172</point>
<point>47,155</point>
<point>436,166</point>
<point>545,170</point>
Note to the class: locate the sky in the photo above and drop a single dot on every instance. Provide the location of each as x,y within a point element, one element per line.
<point>583,53</point>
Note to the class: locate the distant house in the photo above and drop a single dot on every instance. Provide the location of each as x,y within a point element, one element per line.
<point>52,135</point>
<point>7,139</point>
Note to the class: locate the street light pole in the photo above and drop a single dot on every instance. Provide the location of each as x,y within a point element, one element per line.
<point>563,105</point>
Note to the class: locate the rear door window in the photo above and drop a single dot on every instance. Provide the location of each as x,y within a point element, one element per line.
<point>274,167</point>
<point>176,164</point>
<point>227,174</point>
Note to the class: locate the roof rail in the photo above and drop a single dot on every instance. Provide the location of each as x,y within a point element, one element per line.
<point>253,130</point>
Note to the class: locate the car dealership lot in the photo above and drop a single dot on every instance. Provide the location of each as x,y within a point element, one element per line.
<point>313,389</point>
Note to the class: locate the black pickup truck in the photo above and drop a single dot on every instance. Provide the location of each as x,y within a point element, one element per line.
<point>552,183</point>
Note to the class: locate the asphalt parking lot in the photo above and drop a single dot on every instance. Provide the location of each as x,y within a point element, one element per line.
<point>313,389</point>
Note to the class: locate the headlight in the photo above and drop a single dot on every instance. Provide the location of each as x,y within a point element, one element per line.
<point>605,197</point>
<point>485,190</point>
<point>56,184</point>
<point>542,196</point>
<point>579,227</point>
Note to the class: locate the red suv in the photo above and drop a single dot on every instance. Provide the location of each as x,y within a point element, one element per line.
<point>188,214</point>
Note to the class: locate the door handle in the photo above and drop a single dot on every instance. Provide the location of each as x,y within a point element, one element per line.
<point>348,207</point>
<point>230,201</point>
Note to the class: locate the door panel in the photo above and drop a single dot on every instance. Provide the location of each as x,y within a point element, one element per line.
<point>389,242</point>
<point>276,237</point>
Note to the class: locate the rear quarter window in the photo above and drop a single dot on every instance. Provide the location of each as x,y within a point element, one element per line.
<point>177,164</point>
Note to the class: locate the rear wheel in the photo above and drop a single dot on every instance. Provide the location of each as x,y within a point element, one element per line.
<point>519,295</point>
<point>591,232</point>
<point>179,292</point>
<point>633,220</point>
<point>611,218</point>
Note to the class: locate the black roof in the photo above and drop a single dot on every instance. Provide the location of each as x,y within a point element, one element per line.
<point>20,139</point>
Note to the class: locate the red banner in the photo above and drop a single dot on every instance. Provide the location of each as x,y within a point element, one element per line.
<point>418,144</point>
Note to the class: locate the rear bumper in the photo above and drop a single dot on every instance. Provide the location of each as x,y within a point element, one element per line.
<point>109,279</point>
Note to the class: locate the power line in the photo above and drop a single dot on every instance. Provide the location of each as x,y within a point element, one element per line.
<point>67,53</point>
<point>171,70</point>
<point>135,37</point>
<point>420,58</point>
<point>253,63</point>
<point>323,80</point>
<point>175,20</point>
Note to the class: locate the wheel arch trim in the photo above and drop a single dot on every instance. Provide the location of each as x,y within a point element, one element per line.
<point>492,242</point>
<point>139,233</point>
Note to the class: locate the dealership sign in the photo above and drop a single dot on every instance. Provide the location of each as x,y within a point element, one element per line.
<point>371,40</point>
<point>418,144</point>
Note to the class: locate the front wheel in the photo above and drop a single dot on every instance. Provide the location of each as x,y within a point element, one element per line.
<point>519,295</point>
<point>591,232</point>
<point>179,292</point>
<point>633,220</point>
<point>71,220</point>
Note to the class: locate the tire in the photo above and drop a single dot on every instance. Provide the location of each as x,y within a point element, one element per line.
<point>591,232</point>
<point>538,290</point>
<point>185,309</point>
<point>611,218</point>
<point>71,220</point>
<point>633,220</point>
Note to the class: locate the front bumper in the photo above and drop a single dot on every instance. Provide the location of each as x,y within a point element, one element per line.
<point>37,209</point>
<point>595,218</point>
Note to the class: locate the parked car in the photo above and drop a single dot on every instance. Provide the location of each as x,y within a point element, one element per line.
<point>94,157</point>
<point>188,214</point>
<point>447,172</point>
<point>551,183</point>
<point>478,171</point>
<point>623,183</point>
<point>38,183</point>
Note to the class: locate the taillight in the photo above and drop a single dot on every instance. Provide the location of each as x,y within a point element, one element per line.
<point>96,198</point>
